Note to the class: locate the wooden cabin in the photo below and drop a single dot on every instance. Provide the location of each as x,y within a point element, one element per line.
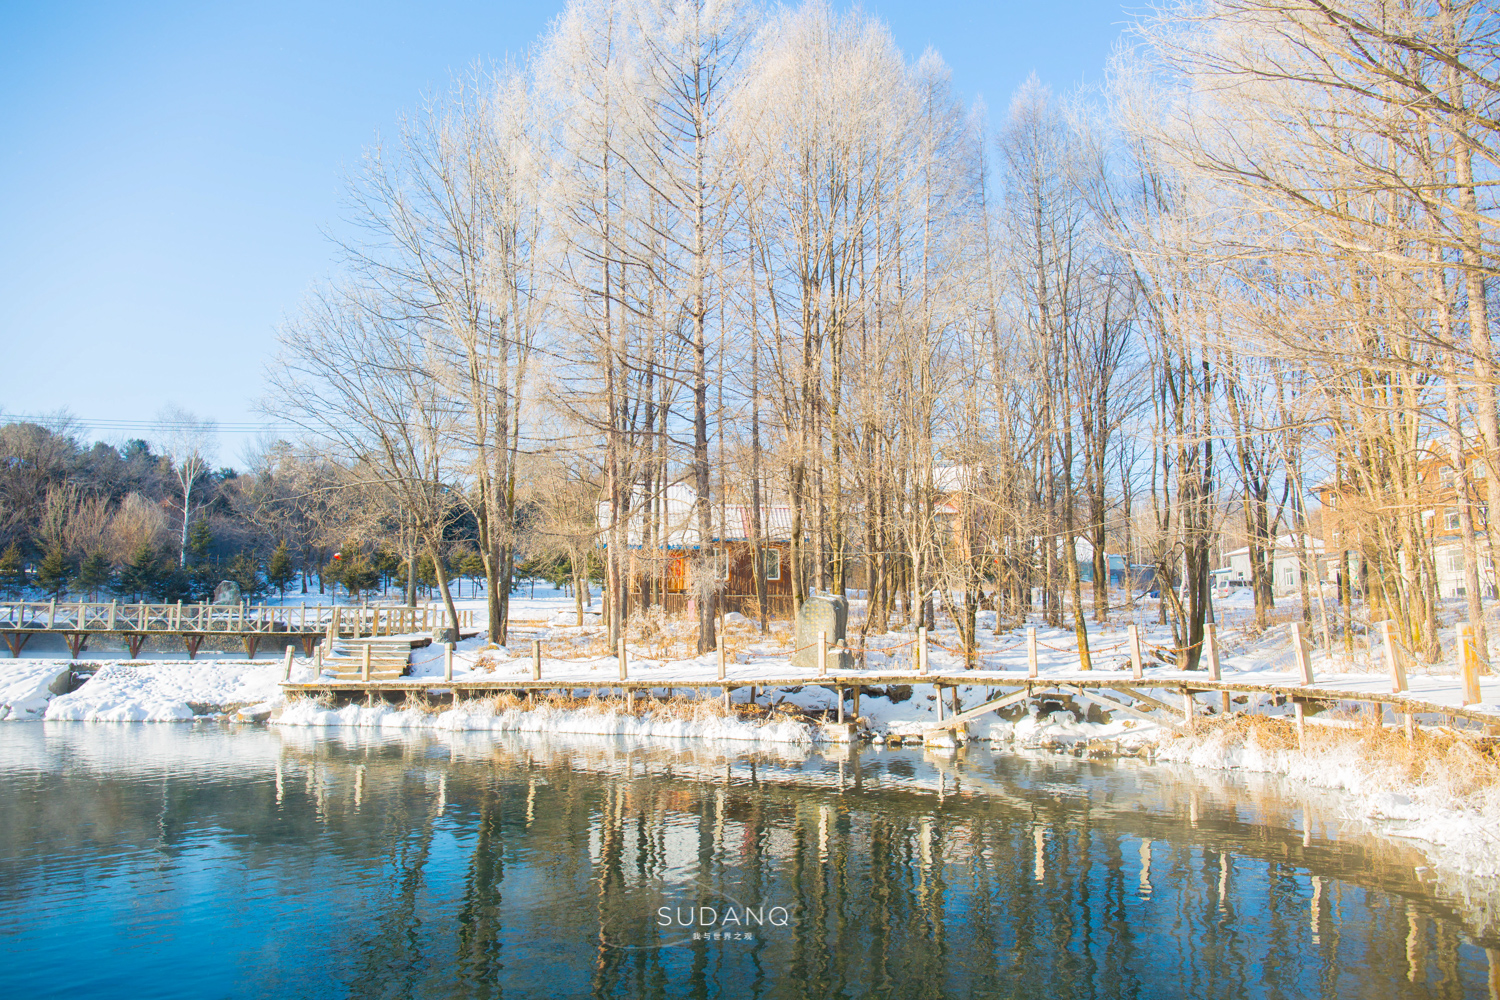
<point>667,567</point>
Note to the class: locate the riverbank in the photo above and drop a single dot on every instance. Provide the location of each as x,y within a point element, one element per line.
<point>1443,791</point>
<point>1440,787</point>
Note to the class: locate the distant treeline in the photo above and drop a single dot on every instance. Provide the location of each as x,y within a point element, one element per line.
<point>93,521</point>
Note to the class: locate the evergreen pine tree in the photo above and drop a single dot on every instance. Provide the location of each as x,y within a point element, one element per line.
<point>244,569</point>
<point>140,574</point>
<point>472,567</point>
<point>200,540</point>
<point>12,571</point>
<point>358,574</point>
<point>52,575</point>
<point>279,571</point>
<point>94,574</point>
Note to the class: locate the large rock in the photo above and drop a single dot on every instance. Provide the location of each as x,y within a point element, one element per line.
<point>228,592</point>
<point>828,615</point>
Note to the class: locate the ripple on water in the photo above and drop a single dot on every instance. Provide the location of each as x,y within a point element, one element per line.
<point>194,860</point>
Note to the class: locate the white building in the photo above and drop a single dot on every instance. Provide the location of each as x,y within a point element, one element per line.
<point>1449,559</point>
<point>1286,568</point>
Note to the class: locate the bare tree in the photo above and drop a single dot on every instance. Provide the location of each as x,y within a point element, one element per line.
<point>189,443</point>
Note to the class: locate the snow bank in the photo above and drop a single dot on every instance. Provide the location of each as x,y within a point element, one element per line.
<point>1456,829</point>
<point>168,692</point>
<point>606,720</point>
<point>27,686</point>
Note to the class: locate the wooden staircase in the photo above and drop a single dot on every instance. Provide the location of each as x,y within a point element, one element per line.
<point>388,658</point>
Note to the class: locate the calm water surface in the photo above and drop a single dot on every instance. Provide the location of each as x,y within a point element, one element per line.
<point>199,861</point>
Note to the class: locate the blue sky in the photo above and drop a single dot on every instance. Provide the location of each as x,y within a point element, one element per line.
<point>169,171</point>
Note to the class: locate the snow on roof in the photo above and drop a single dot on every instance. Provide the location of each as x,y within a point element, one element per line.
<point>1285,545</point>
<point>679,520</point>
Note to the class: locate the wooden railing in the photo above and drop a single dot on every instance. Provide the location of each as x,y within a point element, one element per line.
<point>83,616</point>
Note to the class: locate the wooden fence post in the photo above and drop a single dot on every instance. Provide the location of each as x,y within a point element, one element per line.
<point>1299,649</point>
<point>624,656</point>
<point>1189,710</point>
<point>921,649</point>
<point>290,652</point>
<point>1137,668</point>
<point>364,663</point>
<point>1393,658</point>
<point>113,607</point>
<point>1031,664</point>
<point>447,661</point>
<point>51,612</point>
<point>1468,659</point>
<point>1211,645</point>
<point>721,659</point>
<point>823,655</point>
<point>317,661</point>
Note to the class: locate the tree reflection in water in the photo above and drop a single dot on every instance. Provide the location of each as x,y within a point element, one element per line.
<point>276,861</point>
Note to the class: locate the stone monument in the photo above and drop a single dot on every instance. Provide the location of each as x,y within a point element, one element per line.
<point>827,614</point>
<point>227,592</point>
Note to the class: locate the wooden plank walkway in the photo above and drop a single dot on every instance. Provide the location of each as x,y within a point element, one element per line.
<point>253,625</point>
<point>1006,688</point>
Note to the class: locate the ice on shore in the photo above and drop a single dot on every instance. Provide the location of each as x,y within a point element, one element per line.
<point>607,719</point>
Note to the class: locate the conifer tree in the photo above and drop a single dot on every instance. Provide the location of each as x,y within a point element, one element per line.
<point>94,575</point>
<point>244,569</point>
<point>279,571</point>
<point>200,540</point>
<point>358,575</point>
<point>12,571</point>
<point>140,575</point>
<point>52,575</point>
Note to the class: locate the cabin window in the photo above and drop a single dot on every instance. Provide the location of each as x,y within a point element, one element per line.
<point>1477,471</point>
<point>770,561</point>
<point>1450,520</point>
<point>1445,476</point>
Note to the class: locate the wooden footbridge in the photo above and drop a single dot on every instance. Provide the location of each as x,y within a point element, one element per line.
<point>1146,694</point>
<point>252,624</point>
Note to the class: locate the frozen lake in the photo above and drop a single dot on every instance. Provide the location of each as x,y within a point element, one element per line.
<point>201,860</point>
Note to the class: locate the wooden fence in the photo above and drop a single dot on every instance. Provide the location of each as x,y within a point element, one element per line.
<point>76,620</point>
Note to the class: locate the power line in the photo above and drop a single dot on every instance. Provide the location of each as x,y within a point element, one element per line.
<point>110,424</point>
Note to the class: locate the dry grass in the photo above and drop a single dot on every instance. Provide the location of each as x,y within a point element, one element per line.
<point>688,708</point>
<point>1462,766</point>
<point>418,701</point>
